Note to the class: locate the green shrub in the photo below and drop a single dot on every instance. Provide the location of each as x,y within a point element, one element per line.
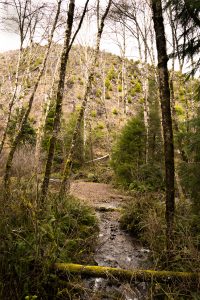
<point>115,111</point>
<point>93,113</point>
<point>101,125</point>
<point>129,99</point>
<point>128,159</point>
<point>119,88</point>
<point>98,93</point>
<point>68,130</point>
<point>111,73</point>
<point>108,84</point>
<point>31,241</point>
<point>107,95</point>
<point>28,131</point>
<point>144,218</point>
<point>136,89</point>
<point>64,140</point>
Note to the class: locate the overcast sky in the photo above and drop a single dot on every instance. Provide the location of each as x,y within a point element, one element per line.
<point>10,40</point>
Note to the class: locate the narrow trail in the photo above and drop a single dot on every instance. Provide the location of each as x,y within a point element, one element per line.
<point>115,247</point>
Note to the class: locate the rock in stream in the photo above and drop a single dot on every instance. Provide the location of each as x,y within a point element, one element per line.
<point>115,248</point>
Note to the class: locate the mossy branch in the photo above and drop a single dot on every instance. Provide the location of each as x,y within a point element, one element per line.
<point>127,275</point>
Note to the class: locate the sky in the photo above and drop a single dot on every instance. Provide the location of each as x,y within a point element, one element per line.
<point>86,36</point>
<point>10,40</point>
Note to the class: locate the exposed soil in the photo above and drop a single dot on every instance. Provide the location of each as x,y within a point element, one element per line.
<point>115,248</point>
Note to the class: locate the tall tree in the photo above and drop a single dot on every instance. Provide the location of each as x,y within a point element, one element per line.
<point>69,158</point>
<point>166,119</point>
<point>24,17</point>
<point>68,42</point>
<point>23,122</point>
<point>187,13</point>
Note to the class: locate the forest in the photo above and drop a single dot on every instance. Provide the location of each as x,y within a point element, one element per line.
<point>100,150</point>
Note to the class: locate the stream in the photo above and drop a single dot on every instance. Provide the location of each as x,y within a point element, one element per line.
<point>115,248</point>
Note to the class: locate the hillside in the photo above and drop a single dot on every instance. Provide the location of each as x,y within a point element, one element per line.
<point>111,102</point>
<point>100,154</point>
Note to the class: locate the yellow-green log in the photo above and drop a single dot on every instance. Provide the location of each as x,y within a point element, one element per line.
<point>126,275</point>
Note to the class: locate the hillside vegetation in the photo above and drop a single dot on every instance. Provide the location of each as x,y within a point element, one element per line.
<point>72,113</point>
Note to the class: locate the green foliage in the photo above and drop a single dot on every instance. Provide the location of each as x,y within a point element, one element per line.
<point>64,139</point>
<point>38,61</point>
<point>93,113</point>
<point>179,110</point>
<point>189,171</point>
<point>119,88</point>
<point>107,95</point>
<point>144,217</point>
<point>129,99</point>
<point>115,111</point>
<point>108,84</point>
<point>32,241</point>
<point>67,132</point>
<point>128,159</point>
<point>98,92</point>
<point>81,81</point>
<point>111,73</point>
<point>137,88</point>
<point>28,131</point>
<point>79,96</point>
<point>100,125</point>
<point>128,151</point>
<point>48,129</point>
<point>136,210</point>
<point>98,133</point>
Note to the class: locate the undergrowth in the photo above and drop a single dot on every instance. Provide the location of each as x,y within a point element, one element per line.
<point>144,217</point>
<point>32,240</point>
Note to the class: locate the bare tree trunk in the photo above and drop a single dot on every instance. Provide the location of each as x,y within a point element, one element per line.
<point>40,131</point>
<point>69,158</point>
<point>146,114</point>
<point>59,98</point>
<point>12,101</point>
<point>19,134</point>
<point>68,42</point>
<point>166,120</point>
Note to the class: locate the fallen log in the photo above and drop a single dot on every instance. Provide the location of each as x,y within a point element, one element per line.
<point>127,275</point>
<point>98,159</point>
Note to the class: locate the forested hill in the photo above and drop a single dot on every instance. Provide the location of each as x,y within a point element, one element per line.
<point>111,110</point>
<point>121,89</point>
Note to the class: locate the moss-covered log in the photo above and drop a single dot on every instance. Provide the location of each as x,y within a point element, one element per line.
<point>127,275</point>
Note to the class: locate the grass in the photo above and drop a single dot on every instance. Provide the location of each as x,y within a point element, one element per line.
<point>32,240</point>
<point>144,217</point>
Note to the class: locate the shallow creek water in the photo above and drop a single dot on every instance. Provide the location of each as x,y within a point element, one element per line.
<point>115,248</point>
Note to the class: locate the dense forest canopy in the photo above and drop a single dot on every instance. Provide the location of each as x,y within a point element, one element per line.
<point>99,91</point>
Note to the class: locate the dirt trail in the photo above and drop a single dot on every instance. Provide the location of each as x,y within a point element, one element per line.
<point>115,248</point>
<point>97,194</point>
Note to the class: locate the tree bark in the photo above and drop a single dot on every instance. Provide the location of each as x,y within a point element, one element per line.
<point>59,98</point>
<point>69,158</point>
<point>166,120</point>
<point>68,42</point>
<point>19,134</point>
